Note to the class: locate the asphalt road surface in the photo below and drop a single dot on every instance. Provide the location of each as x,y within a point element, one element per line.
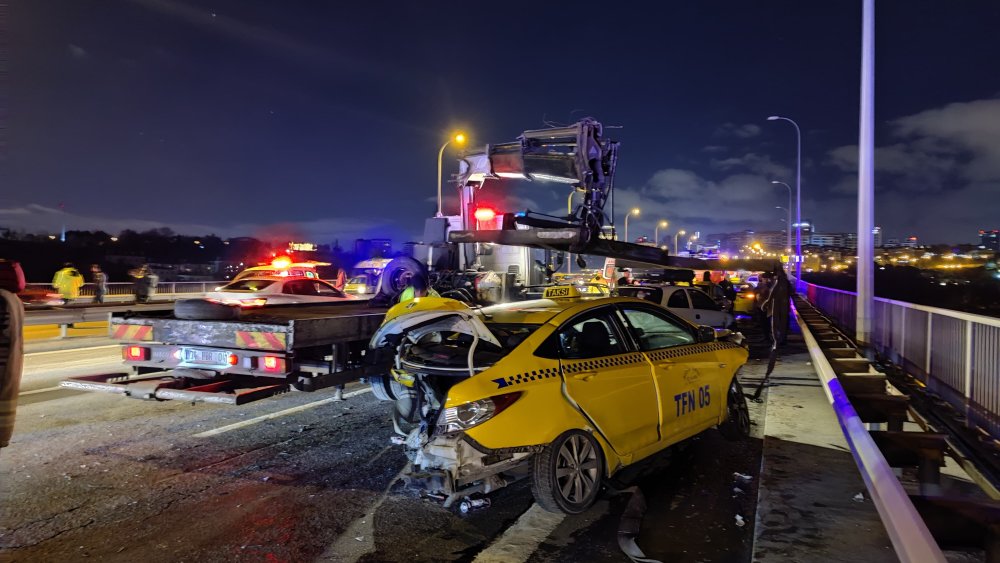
<point>300,477</point>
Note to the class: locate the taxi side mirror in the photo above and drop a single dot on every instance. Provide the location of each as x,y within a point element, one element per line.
<point>706,334</point>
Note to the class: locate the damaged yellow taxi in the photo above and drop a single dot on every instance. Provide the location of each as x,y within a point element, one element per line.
<point>565,390</point>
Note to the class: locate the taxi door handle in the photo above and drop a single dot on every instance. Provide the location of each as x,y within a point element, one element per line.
<point>585,375</point>
<point>665,365</point>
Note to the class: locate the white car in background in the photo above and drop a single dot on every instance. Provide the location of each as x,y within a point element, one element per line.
<point>277,290</point>
<point>688,303</point>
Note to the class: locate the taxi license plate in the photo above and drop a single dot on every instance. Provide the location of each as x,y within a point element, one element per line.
<point>206,357</point>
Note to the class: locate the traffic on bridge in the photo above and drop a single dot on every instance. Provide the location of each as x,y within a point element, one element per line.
<point>243,321</point>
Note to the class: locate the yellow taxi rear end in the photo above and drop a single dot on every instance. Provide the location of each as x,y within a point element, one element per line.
<point>565,390</point>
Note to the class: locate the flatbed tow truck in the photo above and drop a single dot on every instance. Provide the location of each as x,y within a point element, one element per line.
<point>246,355</point>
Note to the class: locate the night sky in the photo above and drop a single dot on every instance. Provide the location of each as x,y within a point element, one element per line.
<point>322,120</point>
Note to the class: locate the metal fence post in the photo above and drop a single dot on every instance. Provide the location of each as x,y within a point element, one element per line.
<point>968,360</point>
<point>930,324</point>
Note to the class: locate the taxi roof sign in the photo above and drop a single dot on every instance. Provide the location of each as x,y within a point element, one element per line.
<point>561,292</point>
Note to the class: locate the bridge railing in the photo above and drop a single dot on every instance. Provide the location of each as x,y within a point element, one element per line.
<point>128,288</point>
<point>956,354</point>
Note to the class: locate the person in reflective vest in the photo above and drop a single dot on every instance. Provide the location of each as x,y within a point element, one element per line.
<point>68,282</point>
<point>417,287</point>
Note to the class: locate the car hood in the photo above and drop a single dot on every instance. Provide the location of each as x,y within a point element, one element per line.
<point>430,314</point>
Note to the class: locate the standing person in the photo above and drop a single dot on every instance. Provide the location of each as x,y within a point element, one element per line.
<point>11,356</point>
<point>626,278</point>
<point>100,283</point>
<point>68,282</point>
<point>140,284</point>
<point>341,280</point>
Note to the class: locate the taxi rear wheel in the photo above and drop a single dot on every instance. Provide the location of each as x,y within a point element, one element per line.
<point>568,472</point>
<point>737,424</point>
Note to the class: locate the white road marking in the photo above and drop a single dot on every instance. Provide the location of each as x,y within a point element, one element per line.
<point>47,389</point>
<point>293,410</point>
<point>523,538</point>
<point>69,350</point>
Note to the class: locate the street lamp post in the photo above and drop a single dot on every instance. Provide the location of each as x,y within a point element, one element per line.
<point>798,194</point>
<point>788,230</point>
<point>679,233</point>
<point>633,211</point>
<point>656,231</point>
<point>459,139</point>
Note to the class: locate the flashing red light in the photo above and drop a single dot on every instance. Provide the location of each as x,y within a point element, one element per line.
<point>485,214</point>
<point>233,359</point>
<point>136,353</point>
<point>272,364</point>
<point>281,262</point>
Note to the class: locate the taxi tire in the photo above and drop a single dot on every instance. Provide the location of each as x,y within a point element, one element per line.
<point>545,485</point>
<point>205,310</point>
<point>737,424</point>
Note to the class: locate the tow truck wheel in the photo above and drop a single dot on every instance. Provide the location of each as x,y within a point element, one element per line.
<point>381,388</point>
<point>737,424</point>
<point>568,472</point>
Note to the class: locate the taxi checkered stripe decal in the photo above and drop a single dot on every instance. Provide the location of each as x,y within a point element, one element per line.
<point>690,350</point>
<point>610,361</point>
<point>534,375</point>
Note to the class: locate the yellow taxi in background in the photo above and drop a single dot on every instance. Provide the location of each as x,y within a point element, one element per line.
<point>566,390</point>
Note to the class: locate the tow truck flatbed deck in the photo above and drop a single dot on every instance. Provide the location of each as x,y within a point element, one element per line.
<point>292,327</point>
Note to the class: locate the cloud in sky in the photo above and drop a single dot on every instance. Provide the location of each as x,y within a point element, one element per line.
<point>940,175</point>
<point>745,131</point>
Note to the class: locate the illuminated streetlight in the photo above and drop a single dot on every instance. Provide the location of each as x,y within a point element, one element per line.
<point>459,139</point>
<point>679,233</point>
<point>634,211</point>
<point>656,231</point>
<point>798,194</point>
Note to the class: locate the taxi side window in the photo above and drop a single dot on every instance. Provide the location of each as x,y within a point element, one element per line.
<point>326,290</point>
<point>654,331</point>
<point>291,288</point>
<point>700,300</point>
<point>678,300</point>
<point>592,336</point>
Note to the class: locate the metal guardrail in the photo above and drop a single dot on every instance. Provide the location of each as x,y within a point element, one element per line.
<point>128,288</point>
<point>909,534</point>
<point>955,354</point>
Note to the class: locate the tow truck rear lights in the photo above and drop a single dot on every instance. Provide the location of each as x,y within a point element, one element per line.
<point>233,359</point>
<point>485,214</point>
<point>273,364</point>
<point>136,353</point>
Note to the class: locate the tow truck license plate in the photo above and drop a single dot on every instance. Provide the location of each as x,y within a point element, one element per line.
<point>206,357</point>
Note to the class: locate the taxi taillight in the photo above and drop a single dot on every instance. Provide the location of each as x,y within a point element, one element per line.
<point>135,353</point>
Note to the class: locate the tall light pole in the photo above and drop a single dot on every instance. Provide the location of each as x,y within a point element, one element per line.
<point>459,139</point>
<point>656,231</point>
<point>798,195</point>
<point>679,233</point>
<point>633,211</point>
<point>788,229</point>
<point>866,179</point>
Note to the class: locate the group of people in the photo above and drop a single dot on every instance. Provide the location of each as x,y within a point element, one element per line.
<point>68,281</point>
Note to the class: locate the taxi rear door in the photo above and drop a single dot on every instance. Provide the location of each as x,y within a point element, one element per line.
<point>686,372</point>
<point>610,381</point>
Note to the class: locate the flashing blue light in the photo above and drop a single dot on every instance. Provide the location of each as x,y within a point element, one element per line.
<point>519,214</point>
